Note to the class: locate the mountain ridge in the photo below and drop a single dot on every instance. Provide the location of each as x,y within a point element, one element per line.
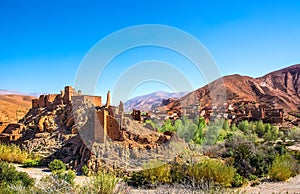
<point>278,89</point>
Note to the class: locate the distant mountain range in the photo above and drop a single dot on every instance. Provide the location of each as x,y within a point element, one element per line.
<point>7,92</point>
<point>150,101</point>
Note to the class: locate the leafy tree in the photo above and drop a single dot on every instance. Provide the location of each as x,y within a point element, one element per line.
<point>167,126</point>
<point>187,129</point>
<point>271,133</point>
<point>212,134</point>
<point>251,127</point>
<point>268,127</point>
<point>260,128</point>
<point>233,127</point>
<point>199,134</point>
<point>243,126</point>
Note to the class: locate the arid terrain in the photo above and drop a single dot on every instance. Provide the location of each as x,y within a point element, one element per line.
<point>14,106</point>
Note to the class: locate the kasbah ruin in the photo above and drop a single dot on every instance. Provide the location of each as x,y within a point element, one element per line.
<point>77,129</point>
<point>108,116</point>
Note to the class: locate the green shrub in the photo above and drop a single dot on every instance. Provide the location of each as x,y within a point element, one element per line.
<point>58,168</point>
<point>67,176</point>
<point>211,170</point>
<point>283,167</point>
<point>57,165</point>
<point>85,170</point>
<point>212,133</point>
<point>101,183</point>
<point>9,176</point>
<point>178,173</point>
<point>248,157</point>
<point>252,177</point>
<point>32,163</point>
<point>238,180</point>
<point>167,126</point>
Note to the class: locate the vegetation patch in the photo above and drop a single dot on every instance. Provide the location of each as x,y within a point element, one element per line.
<point>283,167</point>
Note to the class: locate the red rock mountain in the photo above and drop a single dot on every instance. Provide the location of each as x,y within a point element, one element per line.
<point>279,89</point>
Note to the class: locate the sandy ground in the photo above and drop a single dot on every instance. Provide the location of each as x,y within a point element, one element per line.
<point>38,172</point>
<point>291,186</point>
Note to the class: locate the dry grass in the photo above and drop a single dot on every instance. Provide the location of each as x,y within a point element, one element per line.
<point>13,153</point>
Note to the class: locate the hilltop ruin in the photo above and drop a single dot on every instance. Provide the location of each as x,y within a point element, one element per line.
<point>81,130</point>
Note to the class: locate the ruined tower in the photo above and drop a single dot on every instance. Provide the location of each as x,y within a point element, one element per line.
<point>108,99</point>
<point>68,93</point>
<point>121,107</point>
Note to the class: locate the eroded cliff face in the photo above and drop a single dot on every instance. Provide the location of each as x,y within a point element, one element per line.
<point>52,134</point>
<point>283,87</point>
<point>67,133</point>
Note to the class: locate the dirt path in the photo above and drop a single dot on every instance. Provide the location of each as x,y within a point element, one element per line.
<point>38,172</point>
<point>292,186</point>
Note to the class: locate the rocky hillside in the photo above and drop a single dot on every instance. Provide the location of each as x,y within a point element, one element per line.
<point>279,89</point>
<point>150,101</point>
<point>53,133</point>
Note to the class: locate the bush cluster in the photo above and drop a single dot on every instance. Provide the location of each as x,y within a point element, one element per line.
<point>283,167</point>
<point>210,171</point>
<point>58,169</point>
<point>101,183</point>
<point>9,176</point>
<point>32,162</point>
<point>57,165</point>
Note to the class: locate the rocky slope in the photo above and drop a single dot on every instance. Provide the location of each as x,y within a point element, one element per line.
<point>54,133</point>
<point>278,89</point>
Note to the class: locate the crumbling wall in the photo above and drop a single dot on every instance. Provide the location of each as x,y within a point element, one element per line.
<point>136,115</point>
<point>113,128</point>
<point>35,103</point>
<point>100,127</point>
<point>42,101</point>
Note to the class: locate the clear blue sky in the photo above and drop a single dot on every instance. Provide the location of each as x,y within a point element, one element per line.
<point>43,42</point>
